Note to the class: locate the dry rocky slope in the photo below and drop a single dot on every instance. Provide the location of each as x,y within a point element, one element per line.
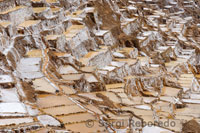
<point>99,66</point>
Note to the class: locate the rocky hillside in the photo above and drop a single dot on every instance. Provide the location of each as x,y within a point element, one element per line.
<point>124,66</point>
